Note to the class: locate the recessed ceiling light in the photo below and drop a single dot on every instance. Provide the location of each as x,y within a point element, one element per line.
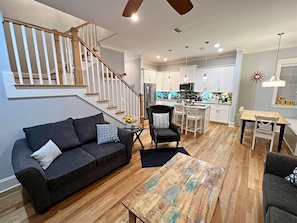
<point>158,57</point>
<point>221,50</point>
<point>217,45</point>
<point>165,59</point>
<point>134,18</point>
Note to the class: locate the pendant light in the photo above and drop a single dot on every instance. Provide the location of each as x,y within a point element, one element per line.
<point>204,77</point>
<point>169,77</point>
<point>274,81</point>
<point>186,77</point>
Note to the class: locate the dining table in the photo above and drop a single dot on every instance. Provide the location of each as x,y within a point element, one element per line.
<point>249,116</point>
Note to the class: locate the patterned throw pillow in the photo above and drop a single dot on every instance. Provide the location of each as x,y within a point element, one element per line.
<point>292,178</point>
<point>47,154</point>
<point>107,133</point>
<point>161,120</point>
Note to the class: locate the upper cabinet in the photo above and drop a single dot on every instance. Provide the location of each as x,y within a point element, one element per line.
<point>226,79</point>
<point>149,76</point>
<point>168,81</point>
<point>187,72</point>
<point>218,79</point>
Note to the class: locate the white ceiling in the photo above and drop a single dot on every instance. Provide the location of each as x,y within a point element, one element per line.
<point>248,25</point>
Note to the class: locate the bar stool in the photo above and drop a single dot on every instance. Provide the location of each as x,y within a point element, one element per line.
<point>194,117</point>
<point>179,115</point>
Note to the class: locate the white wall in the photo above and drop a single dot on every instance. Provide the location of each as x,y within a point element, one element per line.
<point>133,69</point>
<point>44,16</point>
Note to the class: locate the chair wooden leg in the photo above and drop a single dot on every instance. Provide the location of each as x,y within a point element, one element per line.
<point>195,128</point>
<point>253,142</point>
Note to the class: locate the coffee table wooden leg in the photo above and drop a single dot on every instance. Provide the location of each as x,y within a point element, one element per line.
<point>132,217</point>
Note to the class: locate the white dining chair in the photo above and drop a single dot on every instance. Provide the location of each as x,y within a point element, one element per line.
<point>193,121</point>
<point>264,128</point>
<point>249,127</point>
<point>179,115</point>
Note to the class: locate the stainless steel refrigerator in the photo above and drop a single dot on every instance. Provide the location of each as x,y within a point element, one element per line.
<point>149,97</point>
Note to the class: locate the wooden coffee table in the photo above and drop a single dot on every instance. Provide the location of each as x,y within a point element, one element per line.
<point>185,189</point>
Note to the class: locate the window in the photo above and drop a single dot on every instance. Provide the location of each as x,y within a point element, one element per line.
<point>287,71</point>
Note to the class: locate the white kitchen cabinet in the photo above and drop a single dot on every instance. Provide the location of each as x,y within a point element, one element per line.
<point>149,76</point>
<point>164,83</point>
<point>226,79</point>
<point>210,84</point>
<point>189,72</point>
<point>218,79</point>
<point>159,81</point>
<point>219,113</point>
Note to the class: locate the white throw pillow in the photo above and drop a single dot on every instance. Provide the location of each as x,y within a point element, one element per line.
<point>47,154</point>
<point>161,120</point>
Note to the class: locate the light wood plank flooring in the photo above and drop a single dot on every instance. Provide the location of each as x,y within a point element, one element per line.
<point>240,200</point>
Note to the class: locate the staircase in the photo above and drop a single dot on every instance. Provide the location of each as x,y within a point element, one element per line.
<point>48,63</point>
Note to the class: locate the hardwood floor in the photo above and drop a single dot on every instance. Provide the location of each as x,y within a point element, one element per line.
<point>240,199</point>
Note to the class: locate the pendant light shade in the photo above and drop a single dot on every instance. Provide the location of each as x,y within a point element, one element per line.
<point>274,81</point>
<point>204,77</point>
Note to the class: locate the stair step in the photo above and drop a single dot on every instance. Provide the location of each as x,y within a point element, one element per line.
<point>102,100</point>
<point>119,112</point>
<point>94,93</point>
<point>111,106</point>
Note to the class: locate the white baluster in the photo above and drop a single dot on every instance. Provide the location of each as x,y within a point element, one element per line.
<point>27,55</point>
<point>55,58</point>
<point>46,57</point>
<point>16,52</point>
<point>37,56</point>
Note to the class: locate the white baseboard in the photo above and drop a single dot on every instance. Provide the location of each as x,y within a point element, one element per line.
<point>8,183</point>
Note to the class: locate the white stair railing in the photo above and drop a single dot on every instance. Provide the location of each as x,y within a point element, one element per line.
<point>36,50</point>
<point>48,57</point>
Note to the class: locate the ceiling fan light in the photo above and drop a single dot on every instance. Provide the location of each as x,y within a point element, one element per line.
<point>274,81</point>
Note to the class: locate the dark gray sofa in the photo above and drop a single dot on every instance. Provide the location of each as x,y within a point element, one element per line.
<point>279,195</point>
<point>82,161</point>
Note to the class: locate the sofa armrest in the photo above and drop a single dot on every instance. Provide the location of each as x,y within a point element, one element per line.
<point>126,138</point>
<point>30,174</point>
<point>279,164</point>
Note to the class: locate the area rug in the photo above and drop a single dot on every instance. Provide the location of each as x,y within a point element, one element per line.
<point>158,157</point>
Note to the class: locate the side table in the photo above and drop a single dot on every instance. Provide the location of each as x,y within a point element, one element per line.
<point>137,132</point>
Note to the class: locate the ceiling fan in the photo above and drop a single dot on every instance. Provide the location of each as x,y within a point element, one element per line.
<point>181,6</point>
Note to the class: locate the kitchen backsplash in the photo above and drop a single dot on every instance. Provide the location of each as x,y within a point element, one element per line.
<point>197,96</point>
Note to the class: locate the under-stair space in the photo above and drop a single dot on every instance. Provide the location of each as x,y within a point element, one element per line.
<point>50,63</point>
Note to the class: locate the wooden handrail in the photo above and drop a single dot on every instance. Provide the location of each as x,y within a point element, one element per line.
<point>77,27</point>
<point>105,64</point>
<point>17,22</point>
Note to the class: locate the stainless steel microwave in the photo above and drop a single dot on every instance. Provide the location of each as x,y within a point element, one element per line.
<point>186,87</point>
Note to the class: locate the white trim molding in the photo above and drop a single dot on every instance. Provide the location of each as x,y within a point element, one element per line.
<point>8,183</point>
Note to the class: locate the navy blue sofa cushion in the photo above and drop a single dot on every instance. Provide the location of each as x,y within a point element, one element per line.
<point>72,164</point>
<point>62,133</point>
<point>105,153</point>
<point>86,127</point>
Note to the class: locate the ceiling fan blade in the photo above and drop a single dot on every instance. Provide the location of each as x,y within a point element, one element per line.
<point>131,7</point>
<point>181,6</point>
